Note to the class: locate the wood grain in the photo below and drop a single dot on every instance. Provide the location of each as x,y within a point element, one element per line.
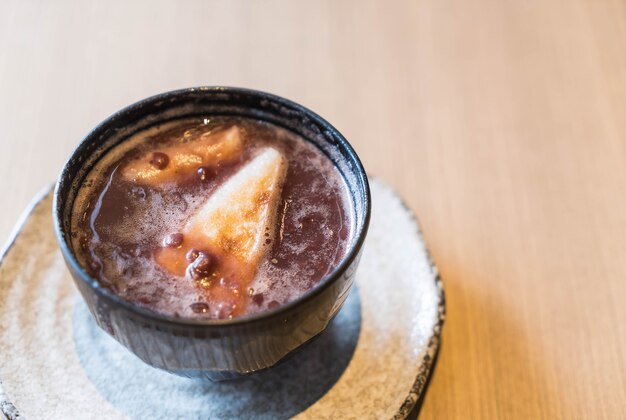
<point>503,124</point>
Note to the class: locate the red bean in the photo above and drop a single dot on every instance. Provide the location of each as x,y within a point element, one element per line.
<point>206,173</point>
<point>202,266</point>
<point>192,255</point>
<point>225,310</point>
<point>159,160</point>
<point>258,298</point>
<point>173,240</point>
<point>199,307</point>
<point>344,232</point>
<point>273,305</point>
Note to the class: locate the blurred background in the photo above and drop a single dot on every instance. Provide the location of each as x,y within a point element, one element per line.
<point>501,123</point>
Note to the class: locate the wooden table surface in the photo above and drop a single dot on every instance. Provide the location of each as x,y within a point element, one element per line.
<point>502,123</point>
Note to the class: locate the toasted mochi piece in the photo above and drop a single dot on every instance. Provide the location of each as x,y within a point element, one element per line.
<point>235,221</point>
<point>176,162</point>
<point>237,216</point>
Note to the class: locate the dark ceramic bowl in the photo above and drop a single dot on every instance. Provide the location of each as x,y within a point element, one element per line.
<point>214,349</point>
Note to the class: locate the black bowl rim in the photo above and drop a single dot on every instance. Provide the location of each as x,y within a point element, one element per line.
<point>351,254</point>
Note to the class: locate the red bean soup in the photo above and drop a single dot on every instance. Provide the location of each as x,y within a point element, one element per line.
<point>212,218</point>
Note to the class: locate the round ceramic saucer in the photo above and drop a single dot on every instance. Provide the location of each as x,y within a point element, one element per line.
<point>372,362</point>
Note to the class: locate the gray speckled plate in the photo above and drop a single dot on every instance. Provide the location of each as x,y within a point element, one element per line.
<point>372,362</point>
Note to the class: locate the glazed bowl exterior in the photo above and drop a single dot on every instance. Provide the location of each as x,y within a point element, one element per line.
<point>214,349</point>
